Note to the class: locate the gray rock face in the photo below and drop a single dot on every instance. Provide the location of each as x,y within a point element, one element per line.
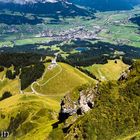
<point>68,106</point>
<point>125,74</point>
<point>84,103</point>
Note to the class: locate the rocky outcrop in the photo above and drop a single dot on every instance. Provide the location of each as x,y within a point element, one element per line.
<point>86,101</point>
<point>83,104</point>
<point>125,74</point>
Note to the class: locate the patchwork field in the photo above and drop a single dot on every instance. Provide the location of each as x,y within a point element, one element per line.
<point>113,27</point>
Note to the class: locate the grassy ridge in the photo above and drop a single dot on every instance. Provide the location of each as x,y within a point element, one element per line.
<point>28,116</point>
<point>67,79</point>
<point>109,71</point>
<point>2,74</point>
<point>115,116</point>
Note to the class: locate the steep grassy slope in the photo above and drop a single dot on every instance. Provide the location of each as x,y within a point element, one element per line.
<point>2,74</point>
<point>109,71</point>
<point>61,79</point>
<point>6,84</point>
<point>28,117</point>
<point>10,85</point>
<point>115,115</point>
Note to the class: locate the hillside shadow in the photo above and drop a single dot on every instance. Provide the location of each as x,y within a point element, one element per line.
<point>18,20</point>
<point>99,52</point>
<point>95,53</point>
<point>29,48</point>
<point>136,20</point>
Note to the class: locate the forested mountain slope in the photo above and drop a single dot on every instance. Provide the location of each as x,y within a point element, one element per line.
<point>107,5</point>
<point>115,115</point>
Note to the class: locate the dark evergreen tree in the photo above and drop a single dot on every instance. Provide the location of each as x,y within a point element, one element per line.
<point>5,95</point>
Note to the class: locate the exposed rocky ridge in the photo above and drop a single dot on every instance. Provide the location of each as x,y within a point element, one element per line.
<point>115,113</point>
<point>125,74</point>
<point>85,98</point>
<point>82,104</point>
<point>73,108</point>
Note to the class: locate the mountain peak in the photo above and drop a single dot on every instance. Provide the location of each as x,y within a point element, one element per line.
<point>29,1</point>
<point>51,8</point>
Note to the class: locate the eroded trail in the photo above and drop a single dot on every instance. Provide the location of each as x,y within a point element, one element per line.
<point>41,85</point>
<point>3,78</point>
<point>101,76</point>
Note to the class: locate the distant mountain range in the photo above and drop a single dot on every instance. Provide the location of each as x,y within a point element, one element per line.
<point>51,8</point>
<point>29,1</point>
<point>66,8</point>
<point>107,5</point>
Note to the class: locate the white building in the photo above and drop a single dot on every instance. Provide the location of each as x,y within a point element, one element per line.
<point>54,62</point>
